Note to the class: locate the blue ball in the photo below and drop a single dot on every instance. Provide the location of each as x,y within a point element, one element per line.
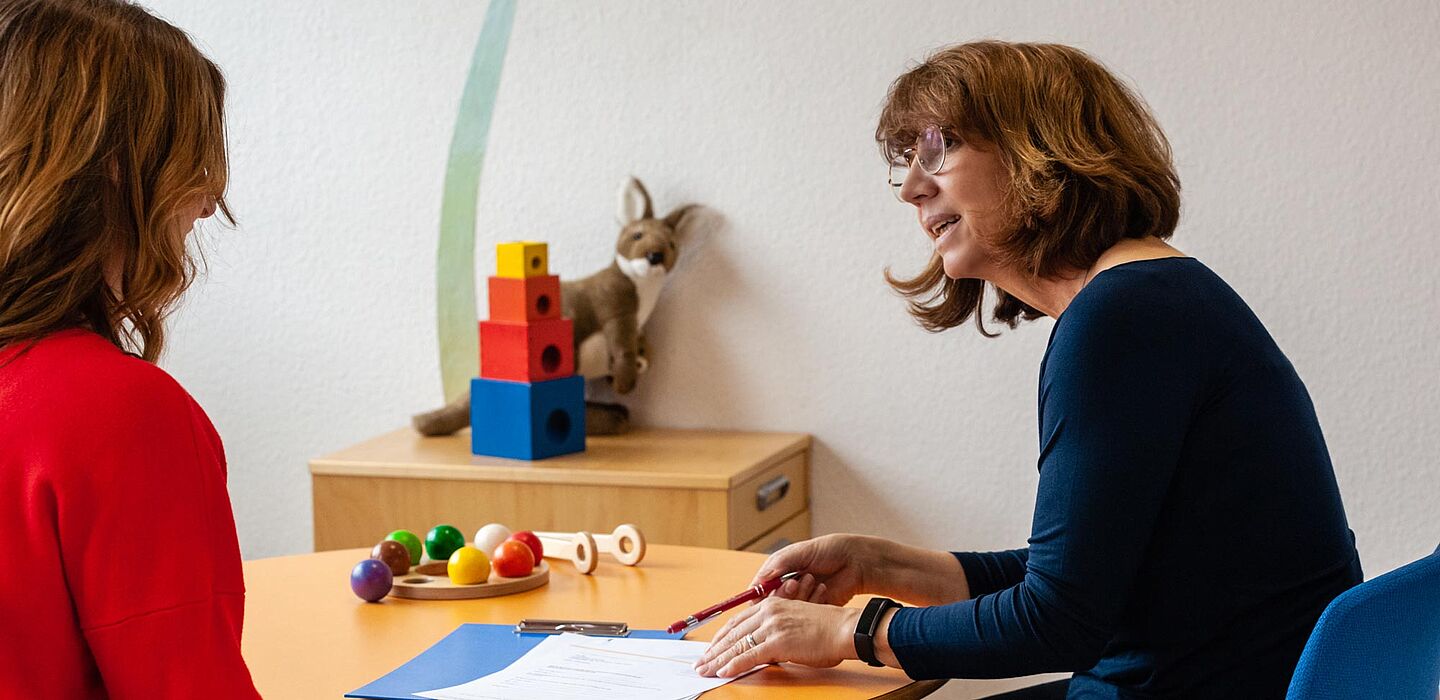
<point>371,580</point>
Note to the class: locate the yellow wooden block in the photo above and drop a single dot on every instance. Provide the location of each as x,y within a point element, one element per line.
<point>521,259</point>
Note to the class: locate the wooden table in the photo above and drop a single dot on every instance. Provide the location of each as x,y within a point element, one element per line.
<point>307,636</point>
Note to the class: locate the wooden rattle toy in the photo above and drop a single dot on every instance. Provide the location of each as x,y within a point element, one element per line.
<point>626,544</point>
<point>578,547</point>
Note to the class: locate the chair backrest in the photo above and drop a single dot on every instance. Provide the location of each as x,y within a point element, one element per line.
<point>1380,639</point>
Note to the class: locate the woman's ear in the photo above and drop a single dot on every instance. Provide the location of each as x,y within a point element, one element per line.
<point>634,203</point>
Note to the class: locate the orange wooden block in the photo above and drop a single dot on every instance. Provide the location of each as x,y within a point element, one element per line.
<point>527,352</point>
<point>524,299</point>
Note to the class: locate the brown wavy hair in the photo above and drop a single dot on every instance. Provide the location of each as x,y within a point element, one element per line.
<point>111,127</point>
<point>1088,164</point>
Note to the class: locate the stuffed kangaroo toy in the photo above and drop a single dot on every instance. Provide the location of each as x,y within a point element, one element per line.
<point>609,309</point>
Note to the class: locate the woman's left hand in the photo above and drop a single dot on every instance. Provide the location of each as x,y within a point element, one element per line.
<point>781,630</point>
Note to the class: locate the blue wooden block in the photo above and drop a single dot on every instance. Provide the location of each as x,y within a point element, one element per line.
<point>523,420</point>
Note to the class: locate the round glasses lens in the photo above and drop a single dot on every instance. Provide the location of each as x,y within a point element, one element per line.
<point>930,150</point>
<point>899,170</point>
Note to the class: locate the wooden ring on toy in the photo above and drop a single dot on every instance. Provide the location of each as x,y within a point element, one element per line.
<point>627,545</point>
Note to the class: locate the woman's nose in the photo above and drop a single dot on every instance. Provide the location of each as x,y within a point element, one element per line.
<point>917,186</point>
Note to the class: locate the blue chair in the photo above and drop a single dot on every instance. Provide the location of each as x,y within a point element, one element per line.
<point>1380,639</point>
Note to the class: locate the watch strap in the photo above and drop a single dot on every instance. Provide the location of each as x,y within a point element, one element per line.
<point>866,627</point>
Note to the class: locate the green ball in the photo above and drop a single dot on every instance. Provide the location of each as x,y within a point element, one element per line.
<point>411,542</point>
<point>442,541</point>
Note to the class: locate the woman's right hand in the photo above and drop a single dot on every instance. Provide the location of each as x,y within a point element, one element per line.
<point>832,568</point>
<point>836,568</point>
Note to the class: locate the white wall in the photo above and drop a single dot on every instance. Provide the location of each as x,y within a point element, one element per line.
<point>1305,138</point>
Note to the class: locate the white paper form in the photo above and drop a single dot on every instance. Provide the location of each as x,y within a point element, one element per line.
<point>575,666</point>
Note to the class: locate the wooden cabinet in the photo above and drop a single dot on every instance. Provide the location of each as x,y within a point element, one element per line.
<point>789,532</point>
<point>727,489</point>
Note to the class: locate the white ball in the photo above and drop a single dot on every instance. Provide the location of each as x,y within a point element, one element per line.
<point>489,537</point>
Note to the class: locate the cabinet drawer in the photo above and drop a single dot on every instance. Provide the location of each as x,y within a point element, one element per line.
<point>771,497</point>
<point>788,532</point>
<point>358,511</point>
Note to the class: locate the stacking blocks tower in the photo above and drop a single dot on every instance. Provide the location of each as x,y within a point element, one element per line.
<point>527,403</point>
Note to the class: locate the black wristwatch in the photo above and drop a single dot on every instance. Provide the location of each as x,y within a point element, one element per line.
<point>865,629</point>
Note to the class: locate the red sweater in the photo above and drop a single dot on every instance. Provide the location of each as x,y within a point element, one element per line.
<point>121,571</point>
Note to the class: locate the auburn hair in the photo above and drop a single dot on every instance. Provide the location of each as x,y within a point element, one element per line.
<point>111,128</point>
<point>1088,164</point>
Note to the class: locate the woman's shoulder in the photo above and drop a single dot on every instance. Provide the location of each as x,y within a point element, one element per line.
<point>1164,313</point>
<point>1156,276</point>
<point>78,374</point>
<point>1176,306</point>
<point>1178,291</point>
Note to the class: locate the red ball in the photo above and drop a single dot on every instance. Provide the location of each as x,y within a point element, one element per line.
<point>532,542</point>
<point>512,559</point>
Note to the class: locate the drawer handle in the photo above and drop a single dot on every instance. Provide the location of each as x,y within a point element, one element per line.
<point>778,545</point>
<point>771,492</point>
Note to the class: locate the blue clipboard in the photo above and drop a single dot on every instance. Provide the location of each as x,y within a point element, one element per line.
<point>471,651</point>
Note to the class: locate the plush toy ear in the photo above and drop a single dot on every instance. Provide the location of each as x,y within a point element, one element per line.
<point>674,218</point>
<point>634,203</point>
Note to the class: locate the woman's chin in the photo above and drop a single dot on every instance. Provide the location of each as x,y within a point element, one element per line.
<point>957,266</point>
<point>952,254</point>
<point>961,256</point>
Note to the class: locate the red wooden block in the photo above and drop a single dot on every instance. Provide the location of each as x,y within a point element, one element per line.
<point>524,299</point>
<point>527,352</point>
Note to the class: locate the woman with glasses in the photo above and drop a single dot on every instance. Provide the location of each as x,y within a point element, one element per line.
<point>1188,530</point>
<point>122,574</point>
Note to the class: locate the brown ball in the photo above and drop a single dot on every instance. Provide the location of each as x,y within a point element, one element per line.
<point>395,556</point>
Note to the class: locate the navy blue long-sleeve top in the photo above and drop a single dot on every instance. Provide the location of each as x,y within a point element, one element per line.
<point>1188,529</point>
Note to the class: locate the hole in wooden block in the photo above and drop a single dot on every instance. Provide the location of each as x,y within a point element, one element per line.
<point>542,304</point>
<point>550,358</point>
<point>625,545</point>
<point>557,426</point>
<point>417,579</point>
<point>535,262</point>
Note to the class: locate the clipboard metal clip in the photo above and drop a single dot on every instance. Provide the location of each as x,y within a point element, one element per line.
<point>585,627</point>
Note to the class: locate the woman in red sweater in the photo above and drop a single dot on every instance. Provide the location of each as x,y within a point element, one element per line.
<point>122,573</point>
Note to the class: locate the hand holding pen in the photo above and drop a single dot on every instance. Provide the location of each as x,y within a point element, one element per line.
<point>801,620</point>
<point>779,630</point>
<point>835,568</point>
<point>831,575</point>
<point>754,592</point>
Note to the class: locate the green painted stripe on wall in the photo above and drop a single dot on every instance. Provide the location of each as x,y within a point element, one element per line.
<point>455,255</point>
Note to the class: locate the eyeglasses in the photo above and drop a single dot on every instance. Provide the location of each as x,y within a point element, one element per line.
<point>929,150</point>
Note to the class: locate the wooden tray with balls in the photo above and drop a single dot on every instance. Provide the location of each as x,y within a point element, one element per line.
<point>396,566</point>
<point>497,563</point>
<point>436,585</point>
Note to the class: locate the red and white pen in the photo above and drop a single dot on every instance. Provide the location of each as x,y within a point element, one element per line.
<point>755,592</point>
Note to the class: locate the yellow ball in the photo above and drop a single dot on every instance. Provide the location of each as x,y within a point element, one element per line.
<point>468,565</point>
